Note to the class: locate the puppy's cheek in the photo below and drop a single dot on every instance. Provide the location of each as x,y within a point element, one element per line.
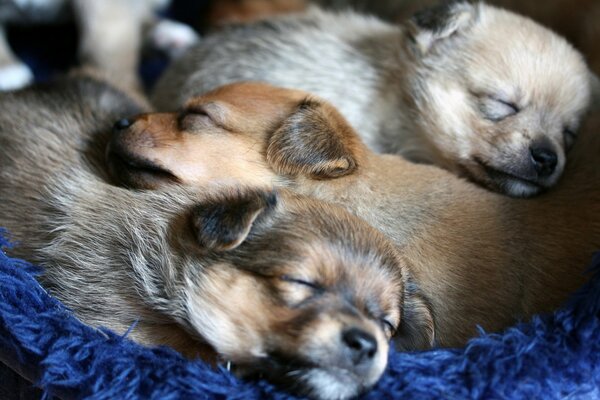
<point>320,340</point>
<point>450,121</point>
<point>220,331</point>
<point>381,358</point>
<point>228,310</point>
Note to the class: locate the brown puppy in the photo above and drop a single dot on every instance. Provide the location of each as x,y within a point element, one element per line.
<point>281,285</point>
<point>480,258</point>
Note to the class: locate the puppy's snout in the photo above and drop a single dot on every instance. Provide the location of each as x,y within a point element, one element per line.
<point>361,345</point>
<point>122,124</point>
<point>544,160</point>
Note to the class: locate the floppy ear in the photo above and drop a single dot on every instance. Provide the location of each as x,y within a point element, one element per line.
<point>433,25</point>
<point>315,140</point>
<point>417,328</point>
<point>223,223</point>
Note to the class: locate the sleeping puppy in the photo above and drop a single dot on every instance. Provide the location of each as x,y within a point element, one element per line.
<point>280,285</point>
<point>575,19</point>
<point>479,257</point>
<point>485,93</point>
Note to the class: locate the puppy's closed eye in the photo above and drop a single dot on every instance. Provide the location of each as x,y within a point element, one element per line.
<point>195,116</point>
<point>388,327</point>
<point>570,135</point>
<point>496,109</point>
<point>297,290</point>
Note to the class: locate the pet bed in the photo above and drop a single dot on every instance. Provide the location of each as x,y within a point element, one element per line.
<point>554,356</point>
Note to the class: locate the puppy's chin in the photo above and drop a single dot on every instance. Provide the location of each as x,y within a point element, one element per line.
<point>331,384</point>
<point>315,382</point>
<point>136,173</point>
<point>500,181</point>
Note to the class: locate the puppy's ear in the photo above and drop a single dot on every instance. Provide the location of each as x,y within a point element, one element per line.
<point>432,26</point>
<point>315,140</point>
<point>223,223</point>
<point>417,328</point>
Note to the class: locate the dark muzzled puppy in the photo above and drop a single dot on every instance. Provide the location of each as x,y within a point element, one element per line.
<point>480,258</point>
<point>280,285</point>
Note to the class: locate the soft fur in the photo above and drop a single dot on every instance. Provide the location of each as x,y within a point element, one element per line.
<point>480,258</point>
<point>483,92</point>
<point>286,287</point>
<point>554,356</point>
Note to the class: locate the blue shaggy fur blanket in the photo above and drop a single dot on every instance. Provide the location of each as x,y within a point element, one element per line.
<point>553,356</point>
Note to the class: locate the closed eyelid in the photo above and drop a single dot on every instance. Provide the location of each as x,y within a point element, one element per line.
<point>496,109</point>
<point>199,112</point>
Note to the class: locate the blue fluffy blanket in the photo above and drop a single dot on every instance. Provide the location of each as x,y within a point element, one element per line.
<point>552,357</point>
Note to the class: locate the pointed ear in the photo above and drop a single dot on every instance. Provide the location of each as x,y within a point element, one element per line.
<point>433,25</point>
<point>223,223</point>
<point>315,140</point>
<point>417,328</point>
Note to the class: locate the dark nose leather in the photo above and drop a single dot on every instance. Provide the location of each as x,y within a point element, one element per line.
<point>122,124</point>
<point>544,161</point>
<point>360,344</point>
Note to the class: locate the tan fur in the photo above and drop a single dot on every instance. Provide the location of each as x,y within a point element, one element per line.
<point>576,20</point>
<point>481,258</point>
<point>485,93</point>
<point>231,273</point>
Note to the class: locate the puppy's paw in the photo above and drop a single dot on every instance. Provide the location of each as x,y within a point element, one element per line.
<point>173,38</point>
<point>15,76</point>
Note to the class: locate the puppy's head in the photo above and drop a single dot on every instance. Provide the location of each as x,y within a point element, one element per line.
<point>498,97</point>
<point>299,292</point>
<point>247,132</point>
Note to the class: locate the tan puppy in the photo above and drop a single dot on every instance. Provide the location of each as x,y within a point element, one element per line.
<point>481,258</point>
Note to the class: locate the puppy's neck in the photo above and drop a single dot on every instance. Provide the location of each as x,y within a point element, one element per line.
<point>393,58</point>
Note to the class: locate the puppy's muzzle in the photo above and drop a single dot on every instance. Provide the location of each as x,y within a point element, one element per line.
<point>525,173</point>
<point>125,163</point>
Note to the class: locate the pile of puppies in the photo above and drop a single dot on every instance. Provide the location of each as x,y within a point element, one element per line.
<point>261,225</point>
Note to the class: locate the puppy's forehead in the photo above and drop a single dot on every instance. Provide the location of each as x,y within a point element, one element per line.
<point>251,96</point>
<point>527,60</point>
<point>368,281</point>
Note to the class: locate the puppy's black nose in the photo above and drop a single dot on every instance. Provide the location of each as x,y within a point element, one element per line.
<point>361,345</point>
<point>544,161</point>
<point>122,124</point>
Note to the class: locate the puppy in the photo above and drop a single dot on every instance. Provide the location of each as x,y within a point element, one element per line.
<point>283,286</point>
<point>480,91</point>
<point>479,257</point>
<point>111,35</point>
<point>576,20</point>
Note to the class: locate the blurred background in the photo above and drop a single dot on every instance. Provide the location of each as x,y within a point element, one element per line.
<point>49,43</point>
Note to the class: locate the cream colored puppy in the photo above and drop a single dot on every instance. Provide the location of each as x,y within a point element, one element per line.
<point>483,92</point>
